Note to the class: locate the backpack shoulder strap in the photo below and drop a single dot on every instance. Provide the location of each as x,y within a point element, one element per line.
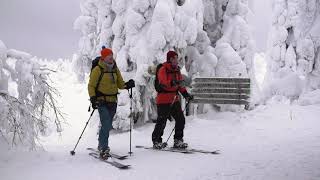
<point>100,77</point>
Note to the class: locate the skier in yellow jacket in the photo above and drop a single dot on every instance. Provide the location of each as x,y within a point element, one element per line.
<point>105,80</point>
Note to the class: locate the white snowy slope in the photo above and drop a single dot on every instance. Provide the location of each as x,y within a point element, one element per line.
<point>276,141</point>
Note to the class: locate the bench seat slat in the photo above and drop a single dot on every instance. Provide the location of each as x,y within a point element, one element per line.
<point>219,101</point>
<point>221,90</point>
<point>220,85</point>
<point>238,80</point>
<point>220,95</point>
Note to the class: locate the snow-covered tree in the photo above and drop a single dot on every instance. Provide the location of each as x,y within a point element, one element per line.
<point>95,24</point>
<point>142,31</point>
<point>236,33</point>
<point>27,99</point>
<point>214,11</point>
<point>294,48</point>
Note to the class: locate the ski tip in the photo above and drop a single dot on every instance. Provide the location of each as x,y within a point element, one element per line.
<point>123,158</point>
<point>215,152</point>
<point>125,167</point>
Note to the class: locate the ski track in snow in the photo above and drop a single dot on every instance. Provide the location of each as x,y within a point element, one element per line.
<point>275,141</point>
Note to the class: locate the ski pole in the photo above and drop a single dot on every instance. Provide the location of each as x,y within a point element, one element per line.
<point>173,127</point>
<point>130,95</point>
<point>73,151</point>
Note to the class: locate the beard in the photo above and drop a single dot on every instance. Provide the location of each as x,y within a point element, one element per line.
<point>174,66</point>
<point>109,65</point>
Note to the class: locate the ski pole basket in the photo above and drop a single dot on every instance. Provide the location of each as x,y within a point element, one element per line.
<point>216,90</point>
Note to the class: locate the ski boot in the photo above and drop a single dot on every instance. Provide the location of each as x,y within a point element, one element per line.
<point>105,154</point>
<point>179,144</point>
<point>159,145</point>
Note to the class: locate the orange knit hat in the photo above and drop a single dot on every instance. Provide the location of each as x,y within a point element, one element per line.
<point>105,52</point>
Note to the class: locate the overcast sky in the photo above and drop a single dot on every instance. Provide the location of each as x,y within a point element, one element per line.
<point>261,22</point>
<point>43,28</point>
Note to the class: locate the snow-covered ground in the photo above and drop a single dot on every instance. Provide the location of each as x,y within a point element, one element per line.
<point>278,141</point>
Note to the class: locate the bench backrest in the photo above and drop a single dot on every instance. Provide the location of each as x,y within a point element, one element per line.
<point>221,90</point>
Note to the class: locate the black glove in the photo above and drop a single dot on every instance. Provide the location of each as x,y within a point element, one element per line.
<point>94,102</point>
<point>190,97</point>
<point>175,82</point>
<point>187,96</point>
<point>130,84</point>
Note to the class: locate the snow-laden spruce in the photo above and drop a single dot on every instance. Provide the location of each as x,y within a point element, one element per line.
<point>140,32</point>
<point>294,48</point>
<point>27,98</point>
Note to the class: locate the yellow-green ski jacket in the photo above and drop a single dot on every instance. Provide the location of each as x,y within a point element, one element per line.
<point>110,82</point>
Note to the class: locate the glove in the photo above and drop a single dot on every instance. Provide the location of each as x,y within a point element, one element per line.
<point>94,102</point>
<point>187,96</point>
<point>130,84</point>
<point>190,97</point>
<point>175,83</point>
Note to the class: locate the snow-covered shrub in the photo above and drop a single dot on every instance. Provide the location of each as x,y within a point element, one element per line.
<point>311,97</point>
<point>27,99</point>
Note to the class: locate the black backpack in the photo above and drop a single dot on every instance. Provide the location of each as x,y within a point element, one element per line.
<point>95,62</point>
<point>157,85</point>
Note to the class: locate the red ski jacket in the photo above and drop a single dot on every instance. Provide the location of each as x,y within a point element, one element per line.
<point>165,76</point>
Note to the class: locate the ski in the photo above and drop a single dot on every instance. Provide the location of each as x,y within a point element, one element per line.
<point>120,157</point>
<point>113,163</point>
<point>204,151</point>
<point>184,151</point>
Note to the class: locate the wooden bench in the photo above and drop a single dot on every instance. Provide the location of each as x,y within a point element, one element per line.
<point>215,90</point>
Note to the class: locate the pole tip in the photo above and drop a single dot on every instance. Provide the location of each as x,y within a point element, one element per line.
<point>72,153</point>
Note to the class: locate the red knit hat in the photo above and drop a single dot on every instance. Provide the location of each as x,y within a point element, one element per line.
<point>171,54</point>
<point>105,52</point>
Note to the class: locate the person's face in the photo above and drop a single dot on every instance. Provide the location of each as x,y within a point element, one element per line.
<point>174,61</point>
<point>108,59</point>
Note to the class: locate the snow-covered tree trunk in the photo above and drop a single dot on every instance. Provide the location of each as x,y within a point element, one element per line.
<point>27,99</point>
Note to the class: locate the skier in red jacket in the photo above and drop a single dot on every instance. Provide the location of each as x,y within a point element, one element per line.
<point>168,102</point>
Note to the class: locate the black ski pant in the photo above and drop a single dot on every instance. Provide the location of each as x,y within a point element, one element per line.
<point>164,113</point>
